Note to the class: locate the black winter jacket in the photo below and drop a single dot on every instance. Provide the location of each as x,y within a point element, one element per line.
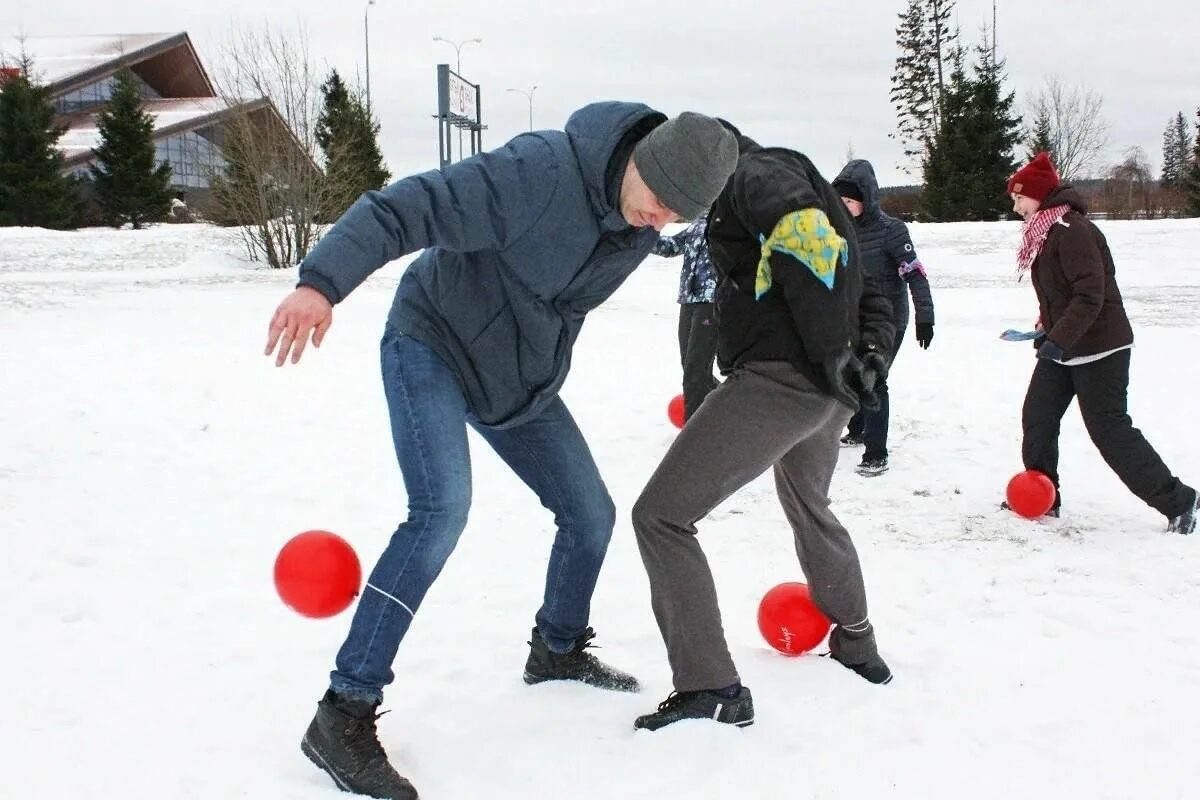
<point>822,331</point>
<point>888,254</point>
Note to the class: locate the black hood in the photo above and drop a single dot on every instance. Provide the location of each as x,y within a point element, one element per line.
<point>860,173</point>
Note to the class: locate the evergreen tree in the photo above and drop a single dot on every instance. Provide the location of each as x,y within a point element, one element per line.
<point>913,83</point>
<point>348,137</point>
<point>365,147</point>
<point>33,190</point>
<point>942,196</point>
<point>130,187</point>
<point>1041,137</point>
<point>335,107</point>
<point>997,132</point>
<point>972,156</point>
<point>925,39</point>
<point>1177,152</point>
<point>1193,169</point>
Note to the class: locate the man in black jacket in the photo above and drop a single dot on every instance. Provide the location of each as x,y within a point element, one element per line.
<point>802,337</point>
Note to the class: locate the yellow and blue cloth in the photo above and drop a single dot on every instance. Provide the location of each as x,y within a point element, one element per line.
<point>809,237</point>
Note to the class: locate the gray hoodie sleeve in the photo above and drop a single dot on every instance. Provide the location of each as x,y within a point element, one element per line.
<point>902,253</point>
<point>484,202</point>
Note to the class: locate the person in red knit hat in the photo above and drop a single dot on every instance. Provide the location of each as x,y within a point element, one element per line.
<point>1085,348</point>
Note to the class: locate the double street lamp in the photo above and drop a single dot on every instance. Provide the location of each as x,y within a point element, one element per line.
<point>529,97</point>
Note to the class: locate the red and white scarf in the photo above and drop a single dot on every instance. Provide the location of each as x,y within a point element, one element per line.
<point>1033,236</point>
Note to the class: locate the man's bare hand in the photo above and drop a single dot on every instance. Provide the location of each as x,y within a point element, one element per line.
<point>303,314</point>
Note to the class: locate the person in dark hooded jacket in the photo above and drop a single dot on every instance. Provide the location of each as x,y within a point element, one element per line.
<point>1085,351</point>
<point>520,243</point>
<point>802,337</point>
<point>889,257</point>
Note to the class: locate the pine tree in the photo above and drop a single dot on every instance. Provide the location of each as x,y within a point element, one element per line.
<point>972,156</point>
<point>33,190</point>
<point>365,147</point>
<point>1041,137</point>
<point>348,137</point>
<point>335,108</point>
<point>130,187</point>
<point>1177,150</point>
<point>997,132</point>
<point>912,83</point>
<point>1193,170</point>
<point>943,194</point>
<point>926,40</point>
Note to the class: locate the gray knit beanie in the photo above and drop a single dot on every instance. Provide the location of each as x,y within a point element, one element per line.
<point>686,162</point>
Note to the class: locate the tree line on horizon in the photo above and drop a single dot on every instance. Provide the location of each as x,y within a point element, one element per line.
<point>956,120</point>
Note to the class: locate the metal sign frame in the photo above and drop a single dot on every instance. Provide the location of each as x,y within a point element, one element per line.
<point>459,106</point>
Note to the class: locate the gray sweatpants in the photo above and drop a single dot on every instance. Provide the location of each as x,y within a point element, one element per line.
<point>765,414</point>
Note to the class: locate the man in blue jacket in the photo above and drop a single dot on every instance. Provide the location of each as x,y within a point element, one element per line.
<point>520,244</point>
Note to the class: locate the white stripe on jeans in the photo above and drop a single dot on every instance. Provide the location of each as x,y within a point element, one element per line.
<point>395,600</point>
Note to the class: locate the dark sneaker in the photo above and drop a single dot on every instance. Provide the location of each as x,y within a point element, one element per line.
<point>343,741</point>
<point>850,440</point>
<point>870,467</point>
<point>1055,511</point>
<point>1185,523</point>
<point>858,652</point>
<point>577,665</point>
<point>678,706</point>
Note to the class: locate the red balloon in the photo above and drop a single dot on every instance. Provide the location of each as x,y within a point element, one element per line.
<point>790,621</point>
<point>1030,493</point>
<point>317,574</point>
<point>675,411</point>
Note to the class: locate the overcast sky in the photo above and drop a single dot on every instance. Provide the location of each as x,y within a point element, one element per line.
<point>811,76</point>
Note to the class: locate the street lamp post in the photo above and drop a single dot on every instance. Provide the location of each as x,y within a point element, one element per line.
<point>529,97</point>
<point>367,49</point>
<point>458,46</point>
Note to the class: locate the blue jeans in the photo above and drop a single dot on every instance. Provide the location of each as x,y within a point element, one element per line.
<point>429,418</point>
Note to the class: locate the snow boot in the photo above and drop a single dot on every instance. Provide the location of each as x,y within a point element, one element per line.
<point>857,651</point>
<point>871,467</point>
<point>576,664</point>
<point>343,741</point>
<point>1185,523</point>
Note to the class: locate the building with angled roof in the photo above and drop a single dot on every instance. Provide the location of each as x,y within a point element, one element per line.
<point>189,115</point>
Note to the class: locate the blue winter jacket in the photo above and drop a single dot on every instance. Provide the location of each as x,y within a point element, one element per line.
<point>520,244</point>
<point>697,281</point>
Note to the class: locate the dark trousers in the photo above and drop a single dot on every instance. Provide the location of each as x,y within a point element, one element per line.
<point>1101,387</point>
<point>872,426</point>
<point>697,351</point>
<point>764,416</point>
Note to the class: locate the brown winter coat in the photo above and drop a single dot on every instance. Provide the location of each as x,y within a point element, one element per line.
<point>1075,280</point>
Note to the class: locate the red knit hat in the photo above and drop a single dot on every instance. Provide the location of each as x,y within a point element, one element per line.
<point>1036,179</point>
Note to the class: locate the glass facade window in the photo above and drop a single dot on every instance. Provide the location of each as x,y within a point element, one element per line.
<point>194,158</point>
<point>97,94</point>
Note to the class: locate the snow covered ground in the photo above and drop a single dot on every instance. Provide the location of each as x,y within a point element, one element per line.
<point>152,462</point>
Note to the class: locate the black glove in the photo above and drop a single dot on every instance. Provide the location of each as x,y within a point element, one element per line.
<point>852,379</point>
<point>1048,349</point>
<point>924,334</point>
<point>874,372</point>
